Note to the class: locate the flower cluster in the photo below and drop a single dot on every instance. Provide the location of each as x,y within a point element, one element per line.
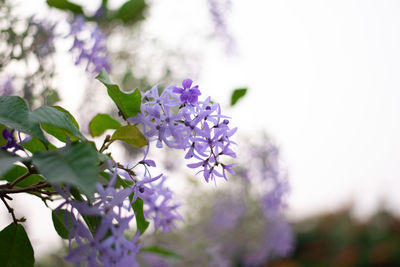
<point>92,50</point>
<point>157,198</point>
<point>113,214</point>
<point>218,9</point>
<point>108,245</point>
<point>179,120</point>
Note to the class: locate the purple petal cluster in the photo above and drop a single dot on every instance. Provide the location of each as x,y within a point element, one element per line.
<point>160,207</point>
<point>157,198</point>
<point>108,245</point>
<point>265,169</point>
<point>12,143</point>
<point>188,94</point>
<point>178,119</point>
<point>91,50</point>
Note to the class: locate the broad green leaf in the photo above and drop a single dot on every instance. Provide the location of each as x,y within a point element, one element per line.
<point>62,221</point>
<point>237,94</point>
<point>13,173</point>
<point>2,140</point>
<point>131,11</point>
<point>65,5</point>
<point>50,96</point>
<point>34,145</point>
<point>102,122</point>
<point>14,113</point>
<point>130,134</point>
<point>15,248</point>
<point>141,222</point>
<point>75,164</point>
<point>128,103</point>
<point>7,161</point>
<point>56,123</point>
<point>69,114</point>
<point>161,251</point>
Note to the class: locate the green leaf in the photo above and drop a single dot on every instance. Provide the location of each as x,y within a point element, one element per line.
<point>130,134</point>
<point>62,221</point>
<point>50,96</point>
<point>65,5</point>
<point>75,164</point>
<point>15,248</point>
<point>102,122</point>
<point>141,222</point>
<point>128,104</point>
<point>14,113</point>
<point>34,145</point>
<point>56,123</point>
<point>238,94</point>
<point>131,11</point>
<point>161,251</point>
<point>2,140</point>
<point>13,173</point>
<point>7,161</point>
<point>69,114</point>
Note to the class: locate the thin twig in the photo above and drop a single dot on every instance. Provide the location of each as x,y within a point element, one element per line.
<point>16,181</point>
<point>15,190</point>
<point>10,210</point>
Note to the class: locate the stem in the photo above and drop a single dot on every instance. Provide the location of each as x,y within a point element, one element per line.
<point>10,210</point>
<point>15,190</point>
<point>16,181</point>
<point>107,142</point>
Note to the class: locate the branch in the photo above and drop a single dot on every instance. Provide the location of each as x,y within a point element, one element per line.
<point>16,181</point>
<point>11,211</point>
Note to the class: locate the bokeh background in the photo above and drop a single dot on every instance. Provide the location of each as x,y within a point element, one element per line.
<point>323,83</point>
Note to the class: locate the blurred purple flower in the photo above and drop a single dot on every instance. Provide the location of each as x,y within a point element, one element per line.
<point>92,50</point>
<point>160,207</point>
<point>218,10</point>
<point>227,213</point>
<point>7,87</point>
<point>278,242</point>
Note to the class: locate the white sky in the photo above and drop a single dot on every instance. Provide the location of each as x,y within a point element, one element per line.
<point>324,83</point>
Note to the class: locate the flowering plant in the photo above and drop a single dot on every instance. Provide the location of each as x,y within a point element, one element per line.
<point>100,198</point>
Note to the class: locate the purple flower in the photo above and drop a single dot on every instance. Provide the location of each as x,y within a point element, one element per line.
<point>179,120</point>
<point>8,135</point>
<point>160,208</point>
<point>188,94</point>
<point>92,50</point>
<point>108,245</point>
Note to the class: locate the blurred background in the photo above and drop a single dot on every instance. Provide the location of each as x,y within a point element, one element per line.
<point>323,86</point>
